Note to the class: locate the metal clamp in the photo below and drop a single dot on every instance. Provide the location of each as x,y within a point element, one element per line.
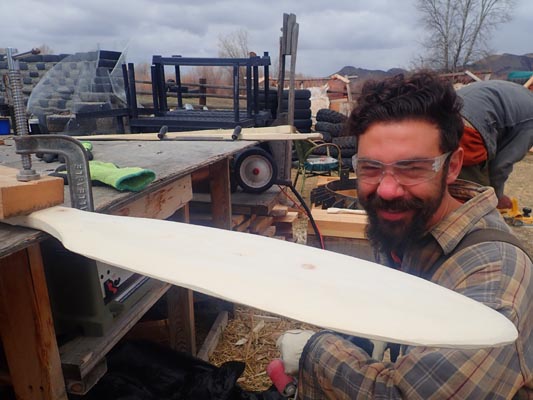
<point>81,195</point>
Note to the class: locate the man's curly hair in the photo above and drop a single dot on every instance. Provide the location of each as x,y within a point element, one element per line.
<point>421,96</point>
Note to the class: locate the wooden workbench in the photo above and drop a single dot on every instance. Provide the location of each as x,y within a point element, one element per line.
<point>26,326</point>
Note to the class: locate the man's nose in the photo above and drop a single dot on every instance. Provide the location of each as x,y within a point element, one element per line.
<point>389,188</point>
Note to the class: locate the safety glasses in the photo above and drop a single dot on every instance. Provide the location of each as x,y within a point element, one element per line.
<point>406,172</point>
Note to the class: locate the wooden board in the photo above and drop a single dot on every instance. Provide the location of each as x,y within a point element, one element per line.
<point>326,289</point>
<point>284,132</point>
<point>17,198</point>
<point>339,225</point>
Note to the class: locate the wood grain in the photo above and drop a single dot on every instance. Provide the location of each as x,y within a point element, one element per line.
<point>19,198</point>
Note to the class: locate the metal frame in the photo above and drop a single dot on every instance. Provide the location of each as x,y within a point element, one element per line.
<point>198,119</point>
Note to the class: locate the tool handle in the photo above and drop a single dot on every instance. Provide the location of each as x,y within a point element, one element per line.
<point>236,132</point>
<point>162,132</point>
<point>283,382</point>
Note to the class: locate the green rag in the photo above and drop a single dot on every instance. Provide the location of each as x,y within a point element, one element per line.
<point>128,178</point>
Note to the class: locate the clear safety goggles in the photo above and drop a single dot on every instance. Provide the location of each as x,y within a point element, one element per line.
<point>406,172</point>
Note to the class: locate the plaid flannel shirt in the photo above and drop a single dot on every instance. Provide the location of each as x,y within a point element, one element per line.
<point>497,274</point>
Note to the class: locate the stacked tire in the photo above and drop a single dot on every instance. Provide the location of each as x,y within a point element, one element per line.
<point>302,107</point>
<point>332,125</point>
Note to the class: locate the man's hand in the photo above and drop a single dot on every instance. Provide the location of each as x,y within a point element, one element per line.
<point>291,344</point>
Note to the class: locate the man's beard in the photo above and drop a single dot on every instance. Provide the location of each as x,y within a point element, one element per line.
<point>387,236</point>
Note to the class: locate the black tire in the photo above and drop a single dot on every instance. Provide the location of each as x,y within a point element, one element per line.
<point>327,115</point>
<point>299,113</point>
<point>345,142</point>
<point>334,129</point>
<point>299,94</point>
<point>322,151</point>
<point>302,114</point>
<point>255,170</point>
<point>298,104</point>
<point>326,136</point>
<point>303,123</point>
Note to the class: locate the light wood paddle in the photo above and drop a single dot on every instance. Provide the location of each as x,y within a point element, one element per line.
<point>319,287</point>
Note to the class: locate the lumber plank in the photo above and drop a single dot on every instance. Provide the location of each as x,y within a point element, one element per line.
<point>213,337</point>
<point>339,225</point>
<point>282,132</point>
<point>245,225</point>
<point>20,198</point>
<point>261,223</point>
<point>290,217</point>
<point>268,231</point>
<point>279,210</point>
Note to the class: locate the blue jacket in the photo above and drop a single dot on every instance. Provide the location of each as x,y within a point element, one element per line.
<point>502,112</point>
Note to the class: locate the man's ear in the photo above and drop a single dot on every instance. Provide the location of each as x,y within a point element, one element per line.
<point>455,165</point>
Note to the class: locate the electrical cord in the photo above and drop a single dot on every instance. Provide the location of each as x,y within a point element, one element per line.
<point>306,208</point>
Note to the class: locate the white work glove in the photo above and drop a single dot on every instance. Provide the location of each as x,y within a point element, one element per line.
<point>291,344</point>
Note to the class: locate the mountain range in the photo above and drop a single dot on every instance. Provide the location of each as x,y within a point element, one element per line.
<point>499,65</point>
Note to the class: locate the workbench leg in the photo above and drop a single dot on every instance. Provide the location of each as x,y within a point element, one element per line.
<point>182,333</point>
<point>220,194</point>
<point>26,328</point>
<point>220,189</point>
<point>180,301</point>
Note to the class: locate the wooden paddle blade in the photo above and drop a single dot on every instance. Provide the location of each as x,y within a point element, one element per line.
<point>319,287</point>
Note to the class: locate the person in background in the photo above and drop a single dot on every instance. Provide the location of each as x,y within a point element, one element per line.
<point>498,118</point>
<point>408,131</point>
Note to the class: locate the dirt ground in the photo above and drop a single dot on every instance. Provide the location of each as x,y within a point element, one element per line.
<point>251,339</point>
<point>519,186</point>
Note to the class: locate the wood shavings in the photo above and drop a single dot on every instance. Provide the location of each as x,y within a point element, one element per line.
<point>260,332</point>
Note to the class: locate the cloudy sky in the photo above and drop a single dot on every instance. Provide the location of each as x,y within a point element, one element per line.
<point>373,34</point>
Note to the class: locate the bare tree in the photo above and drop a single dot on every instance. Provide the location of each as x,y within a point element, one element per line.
<point>459,30</point>
<point>45,49</point>
<point>234,44</point>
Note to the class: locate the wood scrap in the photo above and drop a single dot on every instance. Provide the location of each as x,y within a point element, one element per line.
<point>245,225</point>
<point>20,198</point>
<point>260,223</point>
<point>279,210</point>
<point>269,231</point>
<point>339,225</point>
<point>289,217</point>
<point>237,219</point>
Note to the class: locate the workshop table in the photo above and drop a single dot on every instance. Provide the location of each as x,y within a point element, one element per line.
<point>34,358</point>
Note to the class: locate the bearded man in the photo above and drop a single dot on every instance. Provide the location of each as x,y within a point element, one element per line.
<point>408,131</point>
